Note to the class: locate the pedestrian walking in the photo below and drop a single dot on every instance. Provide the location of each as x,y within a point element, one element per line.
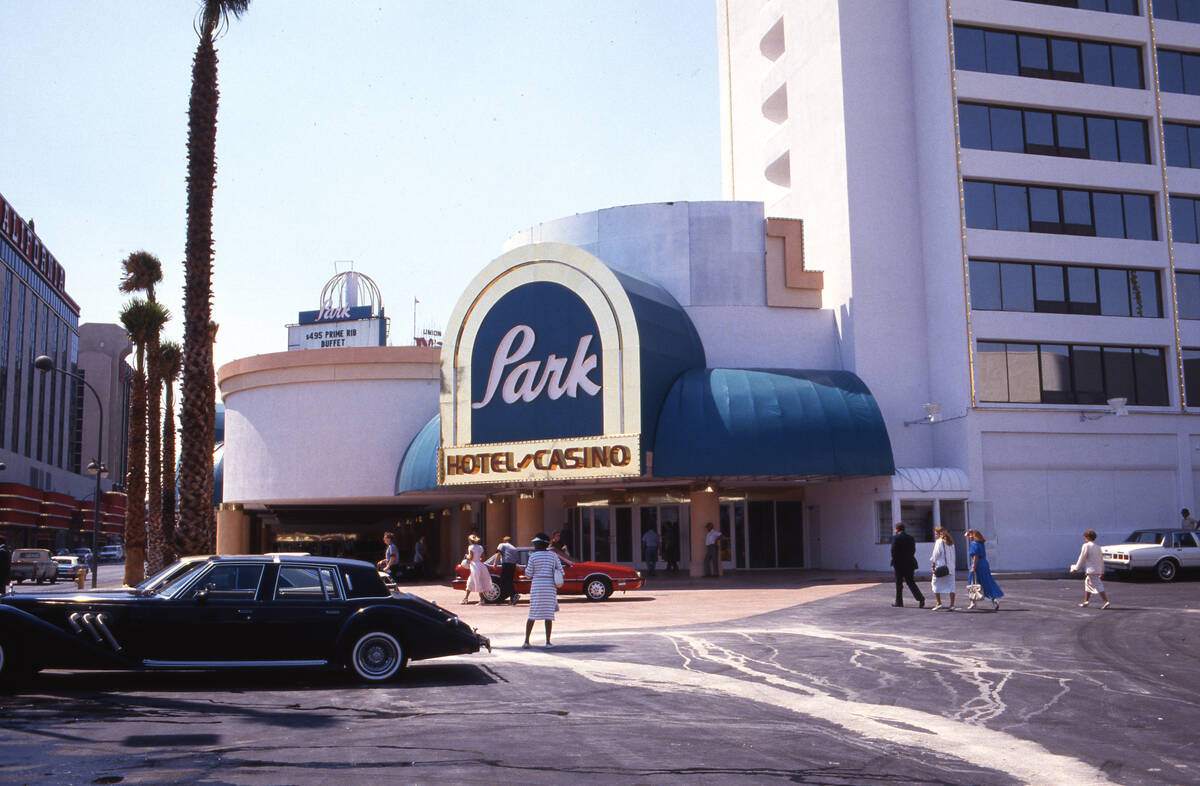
<point>942,563</point>
<point>650,550</point>
<point>508,556</point>
<point>478,578</point>
<point>904,565</point>
<point>390,564</point>
<point>543,591</point>
<point>5,565</point>
<point>980,570</point>
<point>712,555</point>
<point>1091,562</point>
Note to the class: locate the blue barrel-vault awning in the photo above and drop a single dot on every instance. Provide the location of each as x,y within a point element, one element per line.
<point>418,469</point>
<point>722,422</point>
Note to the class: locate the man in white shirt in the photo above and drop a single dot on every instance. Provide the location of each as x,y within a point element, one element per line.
<point>1185,519</point>
<point>712,556</point>
<point>391,558</point>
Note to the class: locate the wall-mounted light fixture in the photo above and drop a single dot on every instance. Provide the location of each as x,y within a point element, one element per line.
<point>1116,406</point>
<point>933,414</point>
<point>466,507</point>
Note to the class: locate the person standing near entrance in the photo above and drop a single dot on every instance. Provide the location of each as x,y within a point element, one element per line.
<point>543,592</point>
<point>650,550</point>
<point>904,565</point>
<point>420,557</point>
<point>712,556</point>
<point>508,569</point>
<point>5,565</point>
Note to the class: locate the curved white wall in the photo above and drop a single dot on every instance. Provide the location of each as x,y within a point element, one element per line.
<point>323,424</point>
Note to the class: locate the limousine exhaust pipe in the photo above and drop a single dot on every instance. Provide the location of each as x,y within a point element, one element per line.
<point>97,625</point>
<point>73,621</point>
<point>88,623</point>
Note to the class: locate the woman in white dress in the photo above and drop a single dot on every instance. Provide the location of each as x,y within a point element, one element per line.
<point>543,593</point>
<point>478,579</point>
<point>943,554</point>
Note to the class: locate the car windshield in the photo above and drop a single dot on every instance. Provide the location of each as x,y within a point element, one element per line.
<point>156,584</point>
<point>1145,536</point>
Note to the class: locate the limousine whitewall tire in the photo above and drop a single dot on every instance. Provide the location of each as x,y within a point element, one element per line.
<point>377,656</point>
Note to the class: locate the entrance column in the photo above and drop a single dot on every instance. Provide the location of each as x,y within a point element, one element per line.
<point>497,521</point>
<point>704,509</point>
<point>233,529</point>
<point>531,516</point>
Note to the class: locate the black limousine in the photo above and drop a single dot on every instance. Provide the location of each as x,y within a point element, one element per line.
<point>256,611</point>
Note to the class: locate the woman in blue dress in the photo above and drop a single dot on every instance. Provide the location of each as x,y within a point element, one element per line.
<point>977,558</point>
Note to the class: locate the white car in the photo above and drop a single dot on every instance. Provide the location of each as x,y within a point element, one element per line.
<point>1163,551</point>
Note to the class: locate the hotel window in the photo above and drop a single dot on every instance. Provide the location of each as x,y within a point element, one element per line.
<point>1046,133</point>
<point>1129,7</point>
<point>1191,376</point>
<point>1183,145</point>
<point>1185,219</point>
<point>1187,293</point>
<point>1022,373</point>
<point>1060,211</point>
<point>917,516</point>
<point>1177,10</point>
<point>1064,289</point>
<point>1179,72</point>
<point>1044,57</point>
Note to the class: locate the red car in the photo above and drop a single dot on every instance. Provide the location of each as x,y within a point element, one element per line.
<point>595,580</point>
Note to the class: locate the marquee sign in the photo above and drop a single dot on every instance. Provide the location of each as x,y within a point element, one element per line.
<point>541,373</point>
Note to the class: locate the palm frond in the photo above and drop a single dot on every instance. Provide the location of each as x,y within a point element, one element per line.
<point>170,356</point>
<point>143,318</point>
<point>141,271</point>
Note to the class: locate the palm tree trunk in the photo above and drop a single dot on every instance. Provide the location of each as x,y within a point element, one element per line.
<point>135,484</point>
<point>170,544</point>
<point>197,522</point>
<point>156,546</point>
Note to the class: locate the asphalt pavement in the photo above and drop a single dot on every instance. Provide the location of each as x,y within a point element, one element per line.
<point>794,677</point>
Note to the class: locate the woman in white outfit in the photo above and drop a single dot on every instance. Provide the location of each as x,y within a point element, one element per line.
<point>478,579</point>
<point>1091,561</point>
<point>543,592</point>
<point>943,554</point>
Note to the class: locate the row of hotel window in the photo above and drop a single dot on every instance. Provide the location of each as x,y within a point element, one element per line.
<point>1176,10</point>
<point>1071,60</point>
<point>1075,211</point>
<point>1077,289</point>
<point>1072,135</point>
<point>1035,373</point>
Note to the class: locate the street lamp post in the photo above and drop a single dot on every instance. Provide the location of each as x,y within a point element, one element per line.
<point>43,363</point>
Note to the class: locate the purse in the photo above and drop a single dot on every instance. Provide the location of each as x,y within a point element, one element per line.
<point>974,592</point>
<point>558,575</point>
<point>941,571</point>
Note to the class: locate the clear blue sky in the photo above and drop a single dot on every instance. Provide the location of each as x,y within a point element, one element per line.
<point>411,137</point>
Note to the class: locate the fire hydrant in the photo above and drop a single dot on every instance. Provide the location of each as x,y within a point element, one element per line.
<point>79,574</point>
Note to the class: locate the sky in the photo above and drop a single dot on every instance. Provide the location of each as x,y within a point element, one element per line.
<point>409,137</point>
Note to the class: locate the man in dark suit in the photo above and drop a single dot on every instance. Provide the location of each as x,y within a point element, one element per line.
<point>904,563</point>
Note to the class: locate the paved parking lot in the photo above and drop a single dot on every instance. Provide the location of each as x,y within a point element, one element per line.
<point>803,678</point>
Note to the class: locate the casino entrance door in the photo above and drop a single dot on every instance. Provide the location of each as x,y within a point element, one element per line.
<point>613,533</point>
<point>762,534</point>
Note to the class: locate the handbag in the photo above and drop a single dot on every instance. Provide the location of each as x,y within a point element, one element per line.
<point>974,592</point>
<point>941,571</point>
<point>558,575</point>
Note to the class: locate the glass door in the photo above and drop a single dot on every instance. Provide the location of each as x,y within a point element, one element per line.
<point>733,528</point>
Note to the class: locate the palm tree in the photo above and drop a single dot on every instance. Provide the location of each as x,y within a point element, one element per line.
<point>141,272</point>
<point>169,354</point>
<point>141,318</point>
<point>197,522</point>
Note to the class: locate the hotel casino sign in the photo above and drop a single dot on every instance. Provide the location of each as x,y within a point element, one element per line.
<point>542,373</point>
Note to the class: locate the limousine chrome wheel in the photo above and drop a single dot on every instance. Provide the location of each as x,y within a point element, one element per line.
<point>376,656</point>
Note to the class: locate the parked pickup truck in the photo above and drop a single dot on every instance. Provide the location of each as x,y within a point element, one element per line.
<point>33,565</point>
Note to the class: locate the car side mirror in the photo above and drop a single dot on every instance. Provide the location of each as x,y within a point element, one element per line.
<point>202,593</point>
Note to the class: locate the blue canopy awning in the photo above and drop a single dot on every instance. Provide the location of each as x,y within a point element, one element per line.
<point>737,422</point>
<point>418,469</point>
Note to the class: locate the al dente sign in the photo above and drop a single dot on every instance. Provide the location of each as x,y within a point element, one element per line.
<point>541,373</point>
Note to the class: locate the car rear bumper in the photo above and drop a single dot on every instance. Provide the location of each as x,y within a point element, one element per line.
<point>1122,565</point>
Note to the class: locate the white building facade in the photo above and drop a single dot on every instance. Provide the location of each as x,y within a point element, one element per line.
<point>1003,196</point>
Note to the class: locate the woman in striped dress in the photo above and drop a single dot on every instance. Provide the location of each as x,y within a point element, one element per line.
<point>543,594</point>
